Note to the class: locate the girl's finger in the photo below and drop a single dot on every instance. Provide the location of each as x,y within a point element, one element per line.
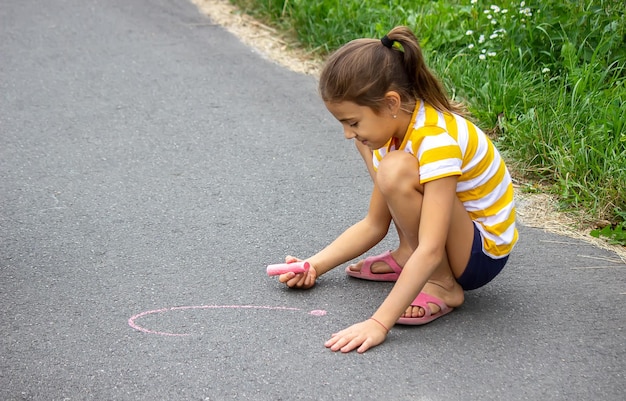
<point>284,278</point>
<point>311,275</point>
<point>295,280</point>
<point>364,347</point>
<point>355,342</point>
<point>291,259</point>
<point>303,280</point>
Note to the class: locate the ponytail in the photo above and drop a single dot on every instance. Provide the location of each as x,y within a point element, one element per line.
<point>364,70</point>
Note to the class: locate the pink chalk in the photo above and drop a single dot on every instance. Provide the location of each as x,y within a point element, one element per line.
<point>282,268</point>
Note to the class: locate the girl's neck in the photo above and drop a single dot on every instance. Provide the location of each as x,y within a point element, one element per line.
<point>405,117</point>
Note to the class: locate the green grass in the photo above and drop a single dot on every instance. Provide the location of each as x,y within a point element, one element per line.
<point>547,78</point>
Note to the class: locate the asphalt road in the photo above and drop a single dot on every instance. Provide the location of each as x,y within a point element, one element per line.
<point>151,166</point>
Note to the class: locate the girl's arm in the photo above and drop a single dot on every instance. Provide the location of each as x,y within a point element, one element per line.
<point>353,242</point>
<point>375,224</point>
<point>357,239</point>
<point>437,209</point>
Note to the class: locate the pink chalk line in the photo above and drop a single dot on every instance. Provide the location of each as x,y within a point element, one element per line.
<point>131,321</point>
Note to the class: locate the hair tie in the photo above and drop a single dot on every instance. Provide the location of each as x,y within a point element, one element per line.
<point>387,42</point>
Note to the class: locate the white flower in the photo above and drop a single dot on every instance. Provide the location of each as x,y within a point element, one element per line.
<point>495,9</point>
<point>545,70</point>
<point>493,36</point>
<point>489,16</point>
<point>526,11</point>
<point>504,11</point>
<point>483,51</point>
<point>493,22</point>
<point>522,4</point>
<point>481,39</point>
<point>474,1</point>
<point>469,32</point>
<point>487,11</point>
<point>470,46</point>
<point>491,54</point>
<point>482,56</point>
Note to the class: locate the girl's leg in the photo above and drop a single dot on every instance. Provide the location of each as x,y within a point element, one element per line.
<point>398,180</point>
<point>403,252</point>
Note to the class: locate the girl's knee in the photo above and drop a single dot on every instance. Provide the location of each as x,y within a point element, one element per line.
<point>398,170</point>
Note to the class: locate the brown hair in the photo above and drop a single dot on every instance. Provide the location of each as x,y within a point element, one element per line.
<point>364,70</point>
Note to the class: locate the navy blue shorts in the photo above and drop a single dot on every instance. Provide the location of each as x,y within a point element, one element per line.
<point>481,268</point>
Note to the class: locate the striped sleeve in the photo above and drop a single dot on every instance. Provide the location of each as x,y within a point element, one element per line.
<point>439,156</point>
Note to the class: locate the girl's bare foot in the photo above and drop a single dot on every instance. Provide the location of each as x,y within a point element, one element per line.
<point>381,266</point>
<point>448,290</point>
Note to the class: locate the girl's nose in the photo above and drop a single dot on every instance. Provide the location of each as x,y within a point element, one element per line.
<point>348,133</point>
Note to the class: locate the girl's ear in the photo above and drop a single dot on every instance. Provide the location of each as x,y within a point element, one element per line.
<point>393,101</point>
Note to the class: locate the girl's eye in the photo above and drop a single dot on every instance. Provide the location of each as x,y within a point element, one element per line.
<point>353,125</point>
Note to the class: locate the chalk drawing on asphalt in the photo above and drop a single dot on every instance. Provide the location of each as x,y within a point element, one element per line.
<point>132,321</point>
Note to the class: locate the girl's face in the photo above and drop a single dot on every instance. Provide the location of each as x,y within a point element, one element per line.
<point>364,125</point>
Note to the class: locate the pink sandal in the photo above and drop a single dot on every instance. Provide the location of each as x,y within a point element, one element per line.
<point>422,301</point>
<point>366,270</point>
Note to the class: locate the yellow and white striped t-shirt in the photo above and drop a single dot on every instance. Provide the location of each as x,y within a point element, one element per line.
<point>446,145</point>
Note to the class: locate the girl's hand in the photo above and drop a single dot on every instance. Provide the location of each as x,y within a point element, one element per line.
<point>302,280</point>
<point>364,335</point>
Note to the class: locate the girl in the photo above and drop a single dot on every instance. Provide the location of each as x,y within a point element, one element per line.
<point>435,174</point>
